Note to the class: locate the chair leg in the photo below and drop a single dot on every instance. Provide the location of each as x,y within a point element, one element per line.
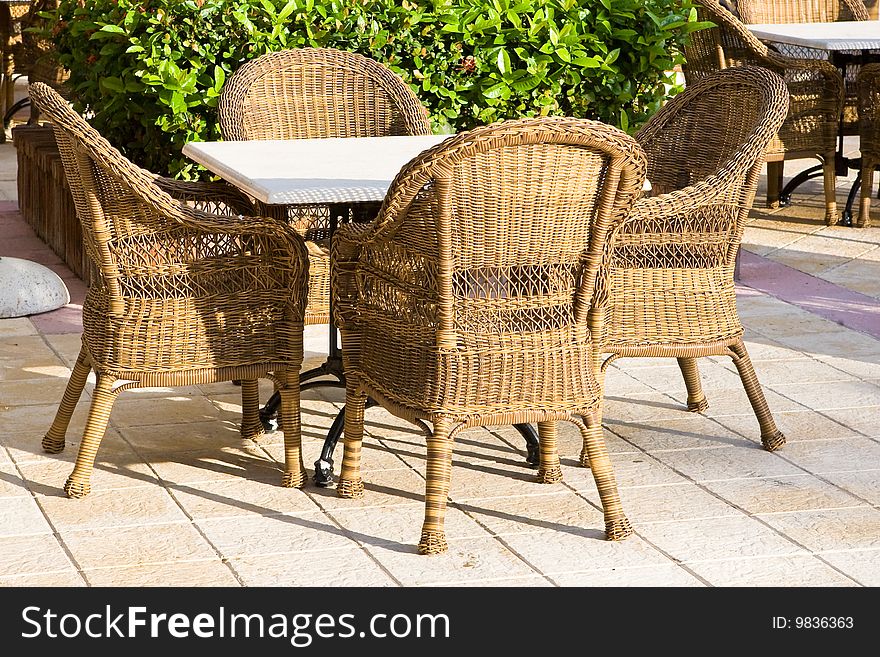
<point>774,183</point>
<point>830,182</point>
<point>771,437</point>
<point>864,218</point>
<point>617,526</point>
<point>78,483</point>
<point>350,484</point>
<point>294,468</point>
<point>251,426</point>
<point>549,469</point>
<point>438,477</point>
<point>696,401</point>
<point>53,441</point>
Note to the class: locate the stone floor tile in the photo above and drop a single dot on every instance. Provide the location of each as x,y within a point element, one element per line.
<point>692,431</point>
<point>861,565</point>
<point>177,573</point>
<point>278,534</point>
<point>719,538</point>
<point>860,275</point>
<point>673,502</point>
<point>864,484</point>
<point>830,529</point>
<point>797,426</point>
<point>48,369</point>
<point>233,498</point>
<point>836,342</point>
<point>16,326</point>
<point>402,524</point>
<point>802,370</point>
<point>762,348</point>
<point>381,488</point>
<point>468,560</point>
<point>577,550</point>
<point>734,401</point>
<point>21,347</point>
<point>862,419</point>
<point>192,436</point>
<point>773,571</point>
<point>629,470</point>
<point>11,482</point>
<point>619,380</point>
<point>333,568</point>
<point>782,494</point>
<point>831,395</point>
<point>534,581</point>
<point>826,456</point>
<point>741,462</point>
<point>131,411</point>
<point>47,477</point>
<point>817,253</point>
<point>666,575</point>
<point>137,546</point>
<point>32,391</point>
<point>20,516</point>
<point>639,408</point>
<point>216,465</point>
<point>103,509</point>
<point>558,509</point>
<point>374,455</point>
<point>66,345</point>
<point>67,578</point>
<point>35,554</point>
<point>669,380</point>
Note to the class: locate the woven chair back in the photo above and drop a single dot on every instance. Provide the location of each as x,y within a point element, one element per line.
<point>801,11</point>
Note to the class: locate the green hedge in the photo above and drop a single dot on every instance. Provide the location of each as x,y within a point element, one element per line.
<point>150,72</point>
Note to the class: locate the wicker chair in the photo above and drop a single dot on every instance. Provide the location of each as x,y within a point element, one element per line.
<point>179,296</point>
<point>672,288</point>
<point>310,93</point>
<point>869,137</point>
<point>486,269</point>
<point>815,85</point>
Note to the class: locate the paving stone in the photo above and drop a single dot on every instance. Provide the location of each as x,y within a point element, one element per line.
<point>32,391</point>
<point>864,484</point>
<point>137,546</point>
<point>16,326</point>
<point>130,411</point>
<point>694,431</point>
<point>862,419</point>
<point>216,465</point>
<point>381,488</point>
<point>35,554</point>
<point>104,509</point>
<point>68,578</point>
<point>723,463</point>
<point>333,568</point>
<point>237,497</point>
<point>826,456</point>
<point>278,534</point>
<point>172,574</point>
<point>686,501</point>
<point>861,565</point>
<point>653,575</point>
<point>720,538</point>
<point>47,477</point>
<point>830,529</point>
<point>780,494</point>
<point>832,395</point>
<point>771,571</point>
<point>20,516</point>
<point>159,439</point>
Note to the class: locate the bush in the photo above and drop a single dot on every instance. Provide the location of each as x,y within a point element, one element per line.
<point>150,72</point>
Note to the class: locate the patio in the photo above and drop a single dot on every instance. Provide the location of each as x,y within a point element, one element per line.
<point>191,504</point>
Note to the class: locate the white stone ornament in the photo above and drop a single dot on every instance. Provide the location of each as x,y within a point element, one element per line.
<point>28,288</point>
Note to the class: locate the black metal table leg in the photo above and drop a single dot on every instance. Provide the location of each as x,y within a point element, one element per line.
<point>847,218</point>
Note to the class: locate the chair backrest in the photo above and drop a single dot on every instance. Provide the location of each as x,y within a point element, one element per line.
<point>801,11</point>
<point>127,220</point>
<point>506,224</point>
<point>728,43</point>
<point>318,92</point>
<point>708,141</point>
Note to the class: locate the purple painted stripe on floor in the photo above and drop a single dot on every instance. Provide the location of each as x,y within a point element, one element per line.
<point>833,302</point>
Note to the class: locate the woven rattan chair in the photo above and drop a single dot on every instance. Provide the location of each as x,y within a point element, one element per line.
<point>310,93</point>
<point>869,137</point>
<point>179,296</point>
<point>815,85</point>
<point>486,270</point>
<point>672,288</point>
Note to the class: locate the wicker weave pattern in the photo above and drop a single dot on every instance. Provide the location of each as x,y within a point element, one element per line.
<point>672,266</point>
<point>180,296</point>
<point>310,93</point>
<point>486,271</point>
<point>815,86</point>
<point>869,135</point>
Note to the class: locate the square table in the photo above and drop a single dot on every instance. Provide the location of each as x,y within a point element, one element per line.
<point>341,173</point>
<point>846,42</point>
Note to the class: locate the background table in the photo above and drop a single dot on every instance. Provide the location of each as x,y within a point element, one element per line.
<point>9,9</point>
<point>847,42</point>
<point>340,172</point>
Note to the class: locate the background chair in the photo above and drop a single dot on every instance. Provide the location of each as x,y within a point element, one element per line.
<point>310,93</point>
<point>486,270</point>
<point>816,90</point>
<point>179,296</point>
<point>869,136</point>
<point>672,288</point>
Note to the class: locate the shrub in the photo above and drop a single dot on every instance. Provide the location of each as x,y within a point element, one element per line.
<point>150,72</point>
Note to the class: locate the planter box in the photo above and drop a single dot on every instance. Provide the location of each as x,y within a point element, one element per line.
<point>44,197</point>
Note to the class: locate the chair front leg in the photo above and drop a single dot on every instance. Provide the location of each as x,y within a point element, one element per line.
<point>437,480</point>
<point>251,425</point>
<point>78,484</point>
<point>288,389</point>
<point>350,484</point>
<point>771,437</point>
<point>696,401</point>
<point>549,469</point>
<point>53,441</point>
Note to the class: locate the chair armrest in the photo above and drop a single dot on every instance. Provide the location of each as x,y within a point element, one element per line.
<point>345,251</point>
<point>214,197</point>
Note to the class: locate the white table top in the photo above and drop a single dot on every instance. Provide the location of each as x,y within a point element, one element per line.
<point>335,170</point>
<point>840,35</point>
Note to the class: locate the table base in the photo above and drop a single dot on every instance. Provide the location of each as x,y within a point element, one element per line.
<point>842,165</point>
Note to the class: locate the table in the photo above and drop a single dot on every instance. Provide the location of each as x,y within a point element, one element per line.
<point>344,173</point>
<point>847,42</point>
